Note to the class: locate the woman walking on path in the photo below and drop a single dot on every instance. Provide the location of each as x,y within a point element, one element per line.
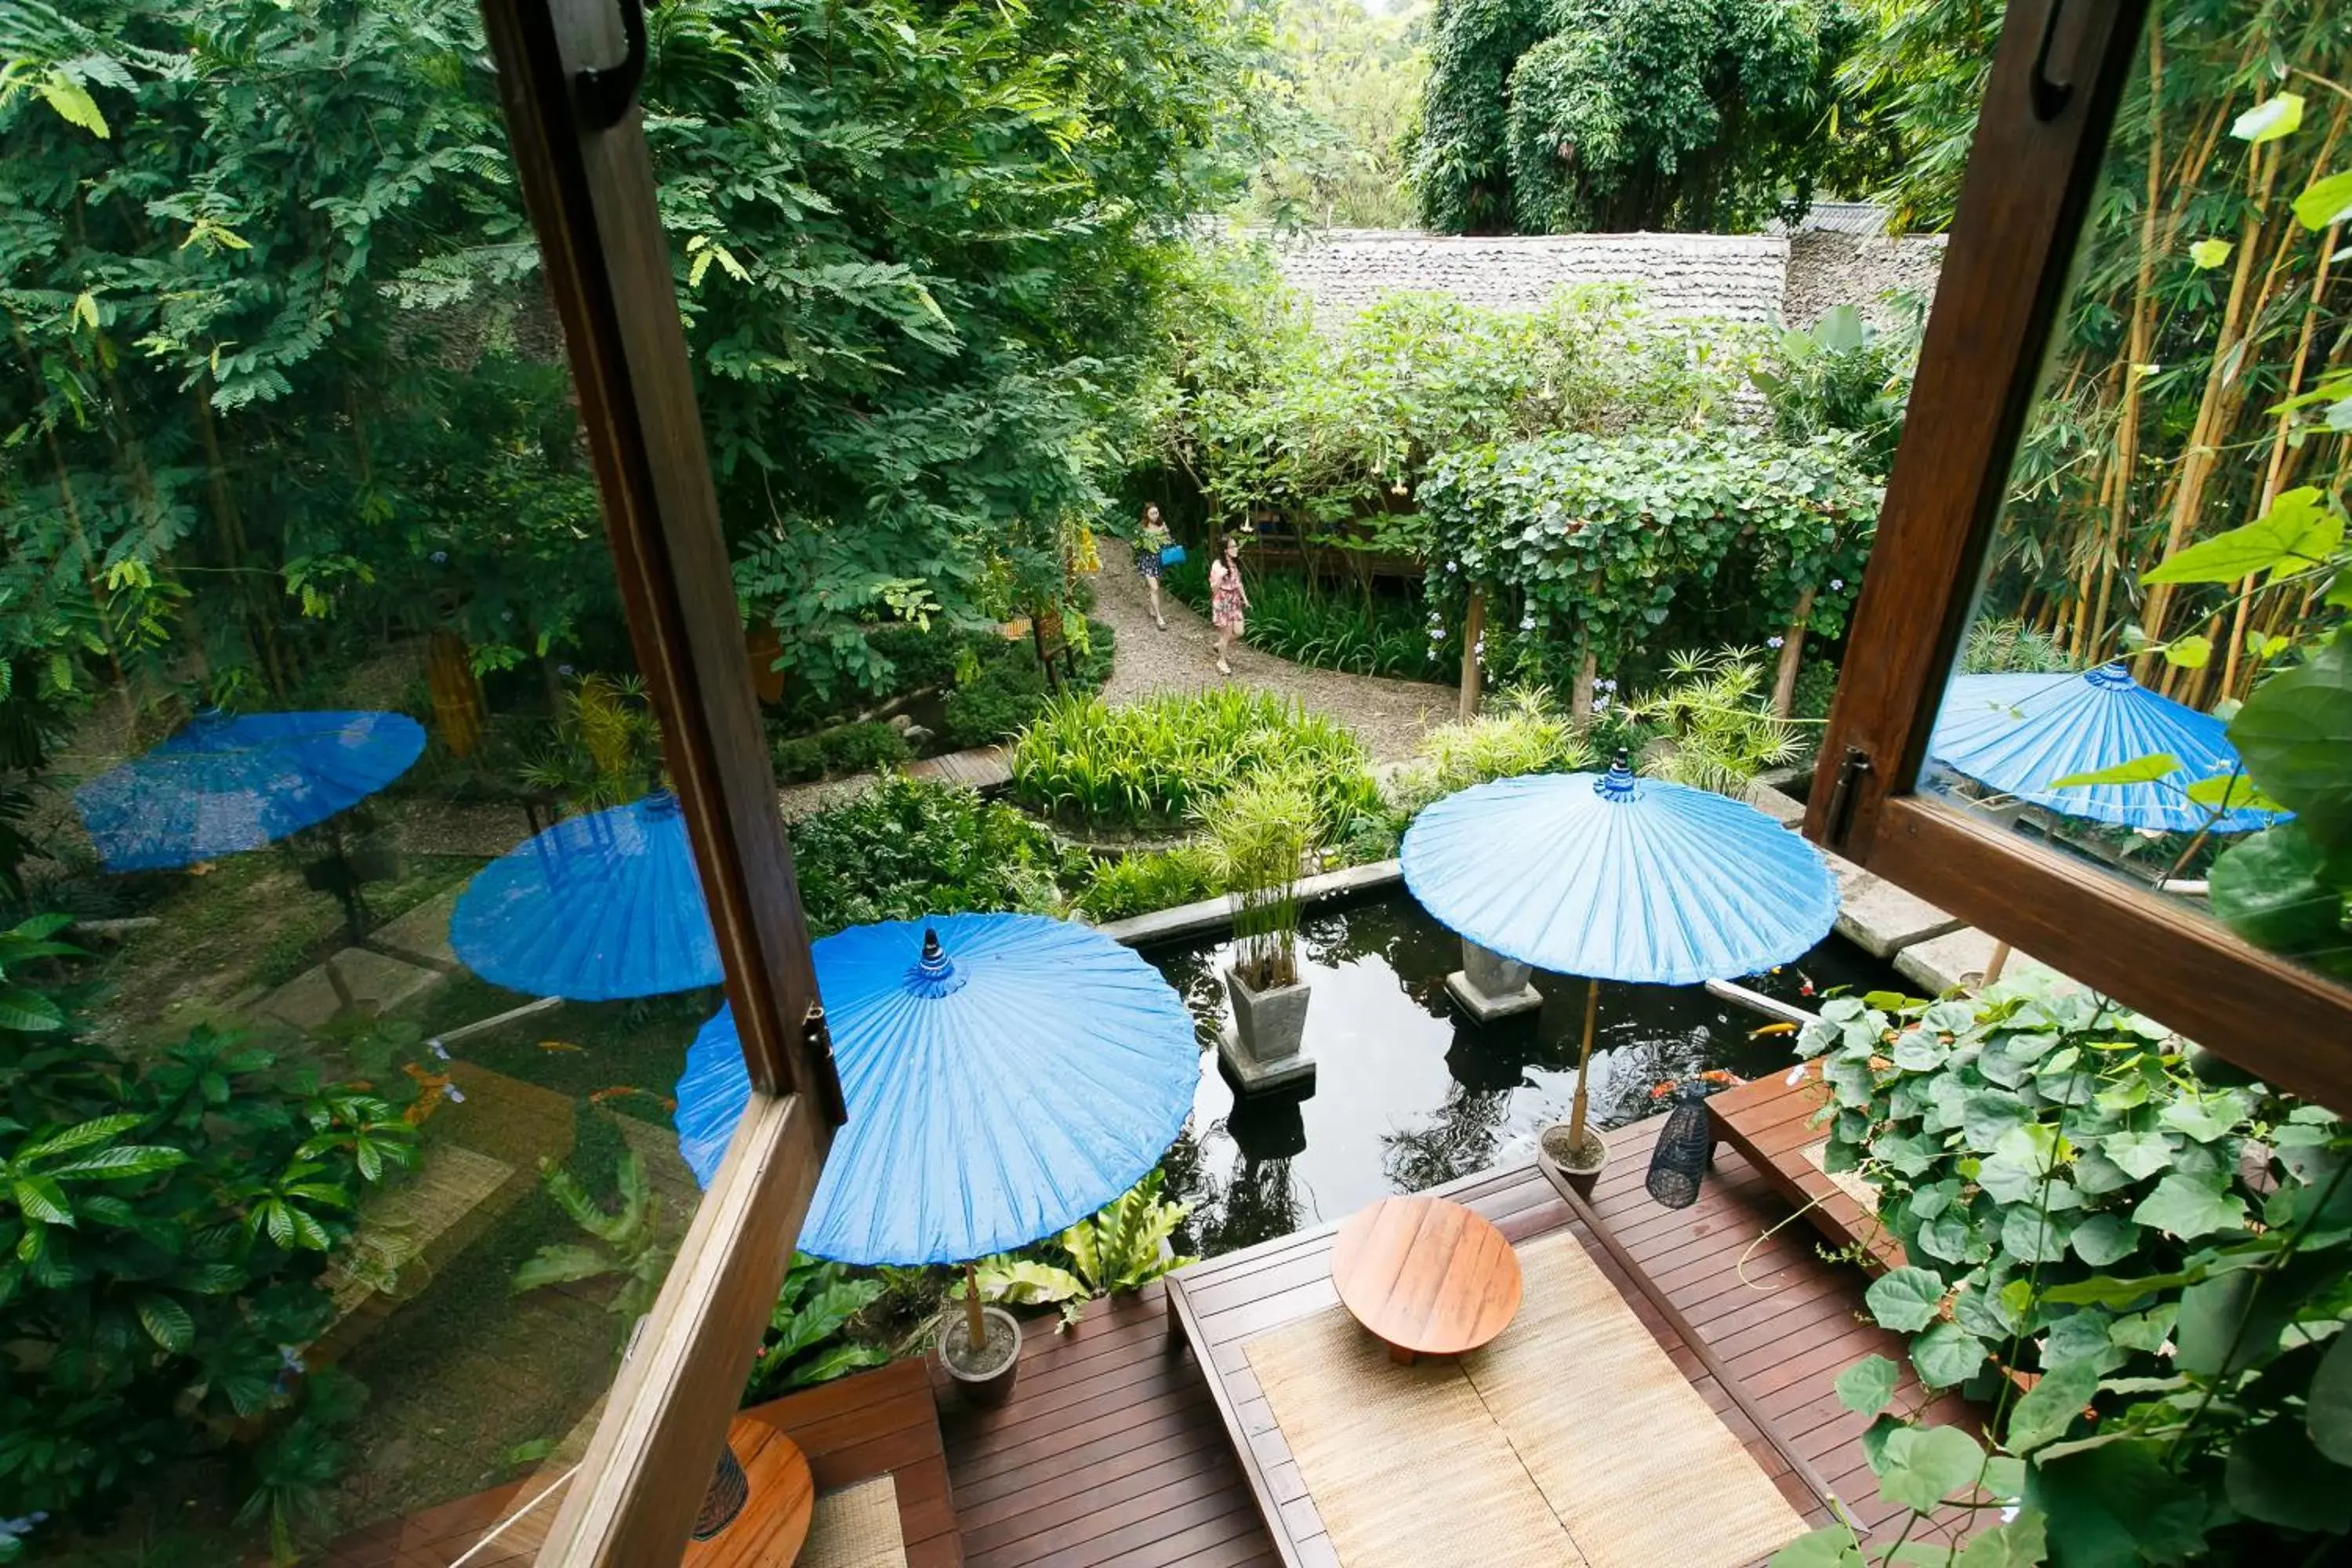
<point>1147,556</point>
<point>1227,600</point>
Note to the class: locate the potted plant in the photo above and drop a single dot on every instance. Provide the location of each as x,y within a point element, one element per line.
<point>979,1345</point>
<point>1261,832</point>
<point>1569,1150</point>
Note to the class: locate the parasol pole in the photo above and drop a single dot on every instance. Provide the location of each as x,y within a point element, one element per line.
<point>1995,964</point>
<point>975,1324</point>
<point>1583,1064</point>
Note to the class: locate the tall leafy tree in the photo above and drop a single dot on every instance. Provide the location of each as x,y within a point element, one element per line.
<point>285,383</point>
<point>1627,114</point>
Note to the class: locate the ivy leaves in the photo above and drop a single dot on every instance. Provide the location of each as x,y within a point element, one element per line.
<point>1605,534</point>
<point>2072,1210</point>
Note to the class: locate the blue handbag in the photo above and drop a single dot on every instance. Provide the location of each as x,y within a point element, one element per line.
<point>1171,555</point>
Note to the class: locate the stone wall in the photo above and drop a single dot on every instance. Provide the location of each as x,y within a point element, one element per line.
<point>1738,277</point>
<point>1827,268</point>
<point>1741,278</point>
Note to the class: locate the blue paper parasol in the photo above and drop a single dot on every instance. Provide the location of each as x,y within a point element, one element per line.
<point>1617,878</point>
<point>596,908</point>
<point>1003,1083</point>
<point>223,785</point>
<point>2016,734</point>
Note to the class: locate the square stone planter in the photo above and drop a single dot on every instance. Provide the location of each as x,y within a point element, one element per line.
<point>1489,987</point>
<point>1265,1045</point>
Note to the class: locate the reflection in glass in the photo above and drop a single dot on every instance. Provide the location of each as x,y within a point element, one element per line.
<point>2141,676</point>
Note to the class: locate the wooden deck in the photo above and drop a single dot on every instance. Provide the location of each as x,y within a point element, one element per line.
<point>876,1423</point>
<point>1112,1450</point>
<point>1771,1123</point>
<point>1109,1451</point>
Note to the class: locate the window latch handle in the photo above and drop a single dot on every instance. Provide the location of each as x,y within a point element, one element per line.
<point>606,91</point>
<point>818,1037</point>
<point>2050,96</point>
<point>1839,819</point>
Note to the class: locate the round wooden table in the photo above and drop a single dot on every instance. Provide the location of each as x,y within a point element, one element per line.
<point>1426,1277</point>
<point>775,1523</point>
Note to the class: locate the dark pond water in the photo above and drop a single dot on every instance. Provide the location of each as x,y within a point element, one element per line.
<point>1410,1092</point>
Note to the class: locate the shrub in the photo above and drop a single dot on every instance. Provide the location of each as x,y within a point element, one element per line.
<point>1157,880</point>
<point>1522,733</point>
<point>1842,373</point>
<point>1718,726</point>
<point>1162,759</point>
<point>2160,1259</point>
<point>1006,688</point>
<point>908,848</point>
<point>846,748</point>
<point>2010,647</point>
<point>160,1248</point>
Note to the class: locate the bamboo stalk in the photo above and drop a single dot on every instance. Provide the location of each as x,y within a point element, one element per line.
<point>2275,475</point>
<point>2143,326</point>
<point>975,1324</point>
<point>2214,408</point>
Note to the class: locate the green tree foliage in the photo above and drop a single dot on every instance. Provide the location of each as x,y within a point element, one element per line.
<point>164,1224</point>
<point>276,344</point>
<point>1914,80</point>
<point>1626,114</point>
<point>1337,429</point>
<point>1343,102</point>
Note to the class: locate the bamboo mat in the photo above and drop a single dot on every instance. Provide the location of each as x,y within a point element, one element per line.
<point>1573,1439</point>
<point>856,1527</point>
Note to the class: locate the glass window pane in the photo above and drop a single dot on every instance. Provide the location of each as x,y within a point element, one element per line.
<point>2143,677</point>
<point>322,730</point>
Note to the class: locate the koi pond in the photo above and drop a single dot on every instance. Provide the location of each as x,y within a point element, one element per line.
<point>1410,1091</point>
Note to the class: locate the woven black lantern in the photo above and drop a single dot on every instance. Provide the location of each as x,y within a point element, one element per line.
<point>729,1489</point>
<point>1679,1157</point>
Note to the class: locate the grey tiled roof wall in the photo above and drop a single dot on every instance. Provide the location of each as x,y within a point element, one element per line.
<point>1740,278</point>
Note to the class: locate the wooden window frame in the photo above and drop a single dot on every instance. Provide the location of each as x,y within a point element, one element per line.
<point>567,72</point>
<point>2033,169</point>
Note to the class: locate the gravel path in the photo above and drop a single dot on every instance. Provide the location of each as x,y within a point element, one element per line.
<point>1390,716</point>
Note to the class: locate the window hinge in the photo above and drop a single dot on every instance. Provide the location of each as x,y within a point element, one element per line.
<point>1839,818</point>
<point>818,1037</point>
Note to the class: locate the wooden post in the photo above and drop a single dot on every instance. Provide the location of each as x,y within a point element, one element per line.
<point>975,1324</point>
<point>1473,626</point>
<point>1793,655</point>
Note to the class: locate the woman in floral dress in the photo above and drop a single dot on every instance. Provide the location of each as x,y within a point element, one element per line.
<point>1227,600</point>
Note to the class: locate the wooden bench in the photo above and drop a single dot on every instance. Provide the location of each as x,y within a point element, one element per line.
<point>1774,1121</point>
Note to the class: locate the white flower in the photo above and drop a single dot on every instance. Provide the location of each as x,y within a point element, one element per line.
<point>1836,582</point>
<point>1772,642</point>
<point>1437,634</point>
<point>1600,703</point>
<point>1527,623</point>
<point>1451,566</point>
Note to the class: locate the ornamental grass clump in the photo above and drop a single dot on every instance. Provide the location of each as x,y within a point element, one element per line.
<point>1522,732</point>
<point>1162,760</point>
<point>1260,833</point>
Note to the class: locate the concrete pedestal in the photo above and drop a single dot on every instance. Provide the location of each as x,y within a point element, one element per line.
<point>1489,987</point>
